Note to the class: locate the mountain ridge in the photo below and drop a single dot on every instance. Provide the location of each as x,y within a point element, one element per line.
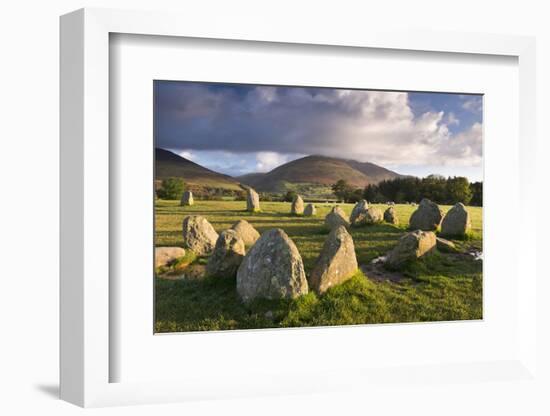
<point>314,169</point>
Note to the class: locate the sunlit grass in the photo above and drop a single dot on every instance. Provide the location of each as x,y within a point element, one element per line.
<point>442,287</point>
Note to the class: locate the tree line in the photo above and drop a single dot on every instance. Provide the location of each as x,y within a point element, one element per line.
<point>439,189</point>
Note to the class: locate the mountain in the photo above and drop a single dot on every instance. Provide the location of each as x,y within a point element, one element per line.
<point>320,170</point>
<point>168,164</point>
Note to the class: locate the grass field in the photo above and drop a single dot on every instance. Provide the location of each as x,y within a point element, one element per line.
<point>441,287</point>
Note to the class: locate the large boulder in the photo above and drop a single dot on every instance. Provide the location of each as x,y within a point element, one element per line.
<point>411,246</point>
<point>427,216</point>
<point>187,199</point>
<point>336,263</point>
<point>335,218</point>
<point>359,207</point>
<point>297,206</point>
<point>246,231</point>
<point>310,210</point>
<point>198,235</point>
<point>369,217</point>
<point>166,255</point>
<point>456,222</point>
<point>390,216</point>
<point>252,200</point>
<point>227,256</point>
<point>272,269</point>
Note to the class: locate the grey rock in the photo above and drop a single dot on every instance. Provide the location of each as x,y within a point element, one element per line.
<point>336,262</point>
<point>335,218</point>
<point>227,255</point>
<point>166,255</point>
<point>390,216</point>
<point>252,200</point>
<point>456,222</point>
<point>272,269</point>
<point>198,235</point>
<point>310,210</point>
<point>411,246</point>
<point>369,217</point>
<point>427,216</point>
<point>297,206</point>
<point>187,199</point>
<point>246,231</point>
<point>359,208</point>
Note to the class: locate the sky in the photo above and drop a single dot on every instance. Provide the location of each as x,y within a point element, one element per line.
<point>237,129</point>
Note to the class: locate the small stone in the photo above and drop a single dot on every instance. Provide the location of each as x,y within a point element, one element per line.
<point>310,210</point>
<point>187,199</point>
<point>167,255</point>
<point>456,222</point>
<point>198,235</point>
<point>272,269</point>
<point>252,200</point>
<point>227,255</point>
<point>369,217</point>
<point>336,262</point>
<point>246,231</point>
<point>297,207</point>
<point>359,208</point>
<point>390,216</point>
<point>427,216</point>
<point>335,218</point>
<point>411,246</point>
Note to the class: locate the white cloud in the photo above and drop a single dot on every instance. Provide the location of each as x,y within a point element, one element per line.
<point>451,119</point>
<point>374,126</point>
<point>473,104</point>
<point>267,161</point>
<point>185,154</point>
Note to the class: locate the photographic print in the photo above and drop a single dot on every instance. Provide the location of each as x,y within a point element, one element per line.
<point>290,206</point>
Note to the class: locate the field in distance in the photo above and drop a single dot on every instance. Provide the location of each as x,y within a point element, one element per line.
<point>440,287</point>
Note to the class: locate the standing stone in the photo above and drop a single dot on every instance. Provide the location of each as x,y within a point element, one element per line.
<point>359,207</point>
<point>336,263</point>
<point>166,255</point>
<point>335,218</point>
<point>310,210</point>
<point>246,231</point>
<point>297,207</point>
<point>411,246</point>
<point>272,269</point>
<point>227,256</point>
<point>252,200</point>
<point>198,235</point>
<point>187,199</point>
<point>390,216</point>
<point>369,217</point>
<point>427,216</point>
<point>456,222</point>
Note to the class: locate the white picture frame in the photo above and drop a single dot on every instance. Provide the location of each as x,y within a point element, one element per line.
<point>86,356</point>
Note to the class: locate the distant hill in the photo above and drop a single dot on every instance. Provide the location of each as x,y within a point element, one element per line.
<point>169,164</point>
<point>319,170</point>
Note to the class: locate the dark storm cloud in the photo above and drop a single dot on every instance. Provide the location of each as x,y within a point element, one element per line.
<point>366,125</point>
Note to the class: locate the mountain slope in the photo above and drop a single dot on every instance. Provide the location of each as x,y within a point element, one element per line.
<point>168,164</point>
<point>320,170</point>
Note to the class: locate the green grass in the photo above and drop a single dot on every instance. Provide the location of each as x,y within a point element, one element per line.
<point>441,287</point>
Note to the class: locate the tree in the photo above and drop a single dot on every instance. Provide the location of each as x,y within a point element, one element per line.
<point>171,188</point>
<point>477,194</point>
<point>289,196</point>
<point>458,190</point>
<point>342,190</point>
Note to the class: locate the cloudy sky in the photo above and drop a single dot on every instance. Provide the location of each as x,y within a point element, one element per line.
<point>238,129</point>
